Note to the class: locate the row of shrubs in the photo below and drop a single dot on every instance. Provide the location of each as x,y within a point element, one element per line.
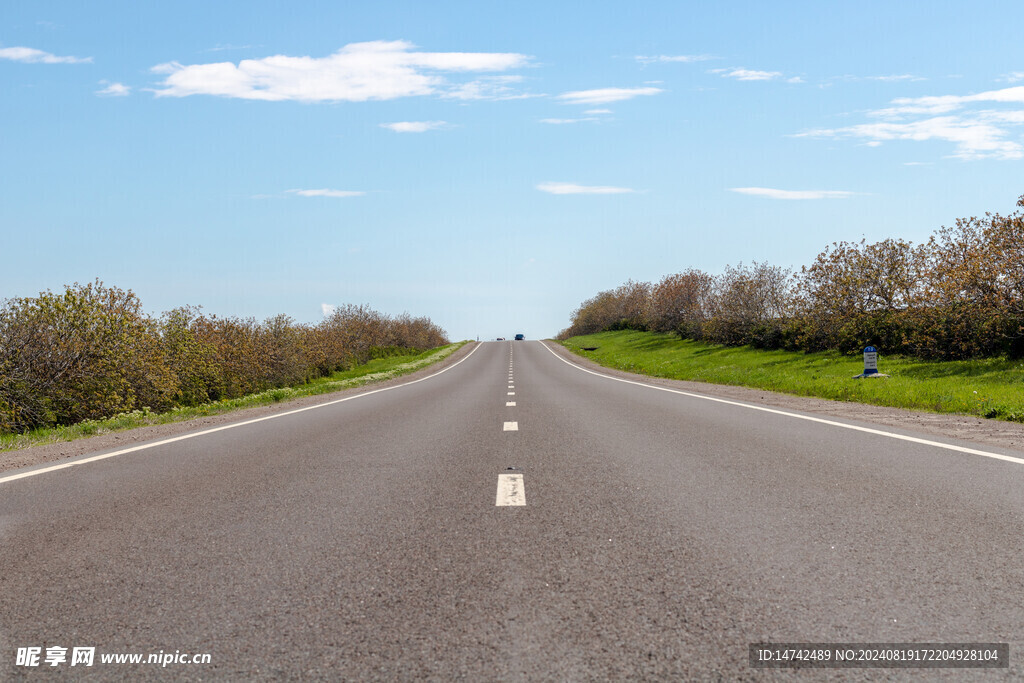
<point>90,352</point>
<point>958,295</point>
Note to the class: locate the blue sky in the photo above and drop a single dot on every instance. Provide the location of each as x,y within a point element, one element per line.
<point>489,165</point>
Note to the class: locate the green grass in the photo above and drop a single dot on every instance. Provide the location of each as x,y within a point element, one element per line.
<point>376,370</point>
<point>991,388</point>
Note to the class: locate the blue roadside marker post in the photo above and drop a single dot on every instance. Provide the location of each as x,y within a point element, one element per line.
<point>870,364</point>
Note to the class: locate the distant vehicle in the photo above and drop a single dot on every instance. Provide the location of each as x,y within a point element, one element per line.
<point>520,337</point>
<point>501,339</point>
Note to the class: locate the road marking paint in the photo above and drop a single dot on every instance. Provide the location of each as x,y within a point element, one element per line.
<point>511,427</point>
<point>510,490</point>
<point>510,404</point>
<point>511,393</point>
<point>776,411</point>
<point>124,451</point>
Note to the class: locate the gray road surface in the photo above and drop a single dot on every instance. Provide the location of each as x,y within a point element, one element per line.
<point>661,535</point>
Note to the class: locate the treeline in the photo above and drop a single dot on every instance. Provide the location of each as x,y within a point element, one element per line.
<point>959,295</point>
<point>91,352</point>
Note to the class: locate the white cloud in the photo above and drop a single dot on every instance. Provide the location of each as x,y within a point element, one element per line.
<point>1012,77</point>
<point>114,89</point>
<point>413,126</point>
<point>31,55</point>
<point>792,194</point>
<point>975,138</point>
<point>645,59</point>
<point>893,78</point>
<point>572,188</point>
<point>976,133</point>
<point>223,48</point>
<point>943,104</point>
<point>606,95</point>
<point>328,309</point>
<point>378,70</point>
<point>598,111</point>
<point>564,121</point>
<point>488,88</point>
<point>327,193</point>
<point>742,74</point>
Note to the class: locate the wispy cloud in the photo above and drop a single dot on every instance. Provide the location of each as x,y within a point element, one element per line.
<point>225,48</point>
<point>414,126</point>
<point>606,95</point>
<point>889,78</point>
<point>114,89</point>
<point>30,55</point>
<point>687,59</point>
<point>489,88</point>
<point>327,193</point>
<point>772,193</point>
<point>598,111</point>
<point>558,122</point>
<point>942,104</point>
<point>741,74</point>
<point>1012,77</point>
<point>894,78</point>
<point>378,70</point>
<point>328,309</point>
<point>976,133</point>
<point>573,188</point>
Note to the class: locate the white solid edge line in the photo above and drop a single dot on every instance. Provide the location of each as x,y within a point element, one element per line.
<point>776,411</point>
<point>103,456</point>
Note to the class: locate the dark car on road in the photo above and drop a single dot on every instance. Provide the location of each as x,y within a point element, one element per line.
<point>520,337</point>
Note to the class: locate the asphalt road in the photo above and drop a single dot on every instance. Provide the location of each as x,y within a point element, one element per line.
<point>650,535</point>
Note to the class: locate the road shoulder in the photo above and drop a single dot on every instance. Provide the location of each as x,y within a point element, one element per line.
<point>960,427</point>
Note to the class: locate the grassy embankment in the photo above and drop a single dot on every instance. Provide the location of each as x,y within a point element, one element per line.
<point>991,388</point>
<point>376,370</point>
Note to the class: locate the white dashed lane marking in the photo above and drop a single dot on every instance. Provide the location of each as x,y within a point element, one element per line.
<point>510,404</point>
<point>511,427</point>
<point>510,490</point>
<point>511,393</point>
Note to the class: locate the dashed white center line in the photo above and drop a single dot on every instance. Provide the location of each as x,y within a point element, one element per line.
<point>511,393</point>
<point>511,427</point>
<point>510,490</point>
<point>510,404</point>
